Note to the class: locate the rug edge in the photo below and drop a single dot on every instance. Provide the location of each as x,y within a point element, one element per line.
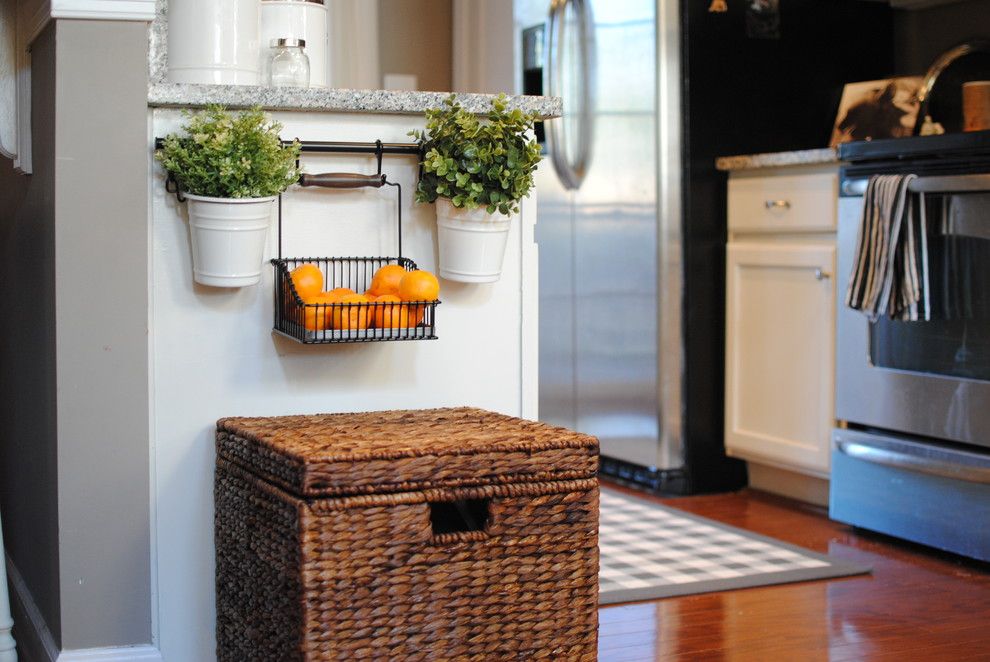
<point>834,571</point>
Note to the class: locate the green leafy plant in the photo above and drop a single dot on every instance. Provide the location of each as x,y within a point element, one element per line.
<point>224,155</point>
<point>477,161</point>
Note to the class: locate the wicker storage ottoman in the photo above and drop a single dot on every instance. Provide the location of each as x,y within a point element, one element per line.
<point>447,534</point>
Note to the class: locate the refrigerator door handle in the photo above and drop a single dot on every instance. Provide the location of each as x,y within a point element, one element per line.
<point>571,174</point>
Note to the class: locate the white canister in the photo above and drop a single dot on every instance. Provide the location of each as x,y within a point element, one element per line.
<point>213,41</point>
<point>298,19</point>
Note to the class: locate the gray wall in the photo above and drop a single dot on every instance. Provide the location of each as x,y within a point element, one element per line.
<point>74,450</point>
<point>414,37</point>
<point>101,315</point>
<point>28,467</point>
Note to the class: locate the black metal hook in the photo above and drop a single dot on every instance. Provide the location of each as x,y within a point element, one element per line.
<point>174,188</point>
<point>398,186</point>
<point>378,154</point>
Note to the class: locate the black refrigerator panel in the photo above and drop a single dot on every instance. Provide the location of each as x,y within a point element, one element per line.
<point>753,82</point>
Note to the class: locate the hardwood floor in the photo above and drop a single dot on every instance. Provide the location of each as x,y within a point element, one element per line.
<point>916,605</point>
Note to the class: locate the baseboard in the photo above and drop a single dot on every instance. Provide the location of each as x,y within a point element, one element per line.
<point>41,640</point>
<point>809,489</point>
<point>118,654</point>
<point>34,634</point>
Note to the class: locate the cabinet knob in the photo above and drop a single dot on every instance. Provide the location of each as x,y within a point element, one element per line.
<point>822,275</point>
<point>778,204</point>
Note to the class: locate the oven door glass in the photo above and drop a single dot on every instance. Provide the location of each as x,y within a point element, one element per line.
<point>956,340</point>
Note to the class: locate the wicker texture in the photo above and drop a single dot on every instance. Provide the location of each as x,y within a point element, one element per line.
<point>400,451</point>
<point>363,576</point>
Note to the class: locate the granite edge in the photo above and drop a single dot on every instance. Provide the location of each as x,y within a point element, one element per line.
<point>822,156</point>
<point>183,95</point>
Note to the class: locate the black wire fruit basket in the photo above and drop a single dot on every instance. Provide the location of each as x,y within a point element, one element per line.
<point>318,323</point>
<point>329,320</point>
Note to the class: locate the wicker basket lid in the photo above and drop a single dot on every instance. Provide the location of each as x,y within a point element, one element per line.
<point>399,451</point>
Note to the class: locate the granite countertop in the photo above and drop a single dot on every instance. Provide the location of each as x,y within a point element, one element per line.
<point>778,159</point>
<point>332,100</point>
<point>162,93</point>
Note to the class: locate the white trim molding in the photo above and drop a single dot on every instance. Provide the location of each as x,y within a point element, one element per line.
<point>40,633</point>
<point>104,10</point>
<point>118,654</point>
<point>34,15</point>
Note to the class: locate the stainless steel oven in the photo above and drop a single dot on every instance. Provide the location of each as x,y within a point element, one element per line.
<point>913,456</point>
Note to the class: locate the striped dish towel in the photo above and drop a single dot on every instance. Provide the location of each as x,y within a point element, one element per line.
<point>890,276</point>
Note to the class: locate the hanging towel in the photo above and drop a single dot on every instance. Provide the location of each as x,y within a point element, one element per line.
<point>890,274</point>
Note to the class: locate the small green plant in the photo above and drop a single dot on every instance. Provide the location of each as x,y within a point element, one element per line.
<point>477,162</point>
<point>224,155</point>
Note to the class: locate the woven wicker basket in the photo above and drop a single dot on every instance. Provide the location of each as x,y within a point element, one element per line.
<point>448,534</point>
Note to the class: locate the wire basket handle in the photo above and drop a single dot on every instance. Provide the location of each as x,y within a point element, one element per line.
<point>348,180</point>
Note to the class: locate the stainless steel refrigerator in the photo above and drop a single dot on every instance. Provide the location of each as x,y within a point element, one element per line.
<point>631,226</point>
<point>609,225</point>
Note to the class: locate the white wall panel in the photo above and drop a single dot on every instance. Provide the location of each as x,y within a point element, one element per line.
<point>214,354</point>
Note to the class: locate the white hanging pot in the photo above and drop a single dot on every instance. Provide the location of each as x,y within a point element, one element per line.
<point>472,242</point>
<point>228,238</point>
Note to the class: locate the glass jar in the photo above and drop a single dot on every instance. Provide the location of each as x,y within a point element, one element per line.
<point>288,64</point>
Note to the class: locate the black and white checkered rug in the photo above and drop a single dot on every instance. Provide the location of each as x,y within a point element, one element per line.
<point>649,551</point>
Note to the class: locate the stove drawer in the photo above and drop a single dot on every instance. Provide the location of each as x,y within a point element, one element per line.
<point>924,492</point>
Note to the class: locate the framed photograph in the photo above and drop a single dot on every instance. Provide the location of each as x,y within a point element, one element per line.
<point>877,109</point>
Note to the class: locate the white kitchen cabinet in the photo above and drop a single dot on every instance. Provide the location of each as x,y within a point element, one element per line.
<point>780,330</point>
<point>780,326</point>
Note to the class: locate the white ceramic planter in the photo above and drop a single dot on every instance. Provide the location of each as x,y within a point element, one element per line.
<point>214,41</point>
<point>472,243</point>
<point>228,238</point>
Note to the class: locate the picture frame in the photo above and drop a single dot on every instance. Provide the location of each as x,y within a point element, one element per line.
<point>877,109</point>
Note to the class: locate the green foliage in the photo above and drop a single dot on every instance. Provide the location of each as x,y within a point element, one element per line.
<point>230,156</point>
<point>477,162</point>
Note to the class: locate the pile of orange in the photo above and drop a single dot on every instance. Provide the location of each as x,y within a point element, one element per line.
<point>391,285</point>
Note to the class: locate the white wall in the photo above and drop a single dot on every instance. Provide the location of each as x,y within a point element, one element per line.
<point>214,354</point>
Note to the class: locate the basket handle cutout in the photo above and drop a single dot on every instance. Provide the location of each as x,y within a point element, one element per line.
<point>459,516</point>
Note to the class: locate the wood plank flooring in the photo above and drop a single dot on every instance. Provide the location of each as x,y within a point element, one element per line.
<point>916,605</point>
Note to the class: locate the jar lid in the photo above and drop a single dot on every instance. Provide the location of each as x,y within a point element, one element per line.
<point>285,41</point>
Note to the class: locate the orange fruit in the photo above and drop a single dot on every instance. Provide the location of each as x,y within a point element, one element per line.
<point>341,292</point>
<point>316,316</point>
<point>393,315</point>
<point>386,280</point>
<point>416,314</point>
<point>308,280</point>
<point>350,313</point>
<point>419,286</point>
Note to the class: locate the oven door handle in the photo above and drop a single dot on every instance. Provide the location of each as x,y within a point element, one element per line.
<point>925,465</point>
<point>951,184</point>
<point>856,187</point>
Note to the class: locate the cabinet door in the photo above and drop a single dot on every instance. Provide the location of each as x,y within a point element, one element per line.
<point>780,340</point>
